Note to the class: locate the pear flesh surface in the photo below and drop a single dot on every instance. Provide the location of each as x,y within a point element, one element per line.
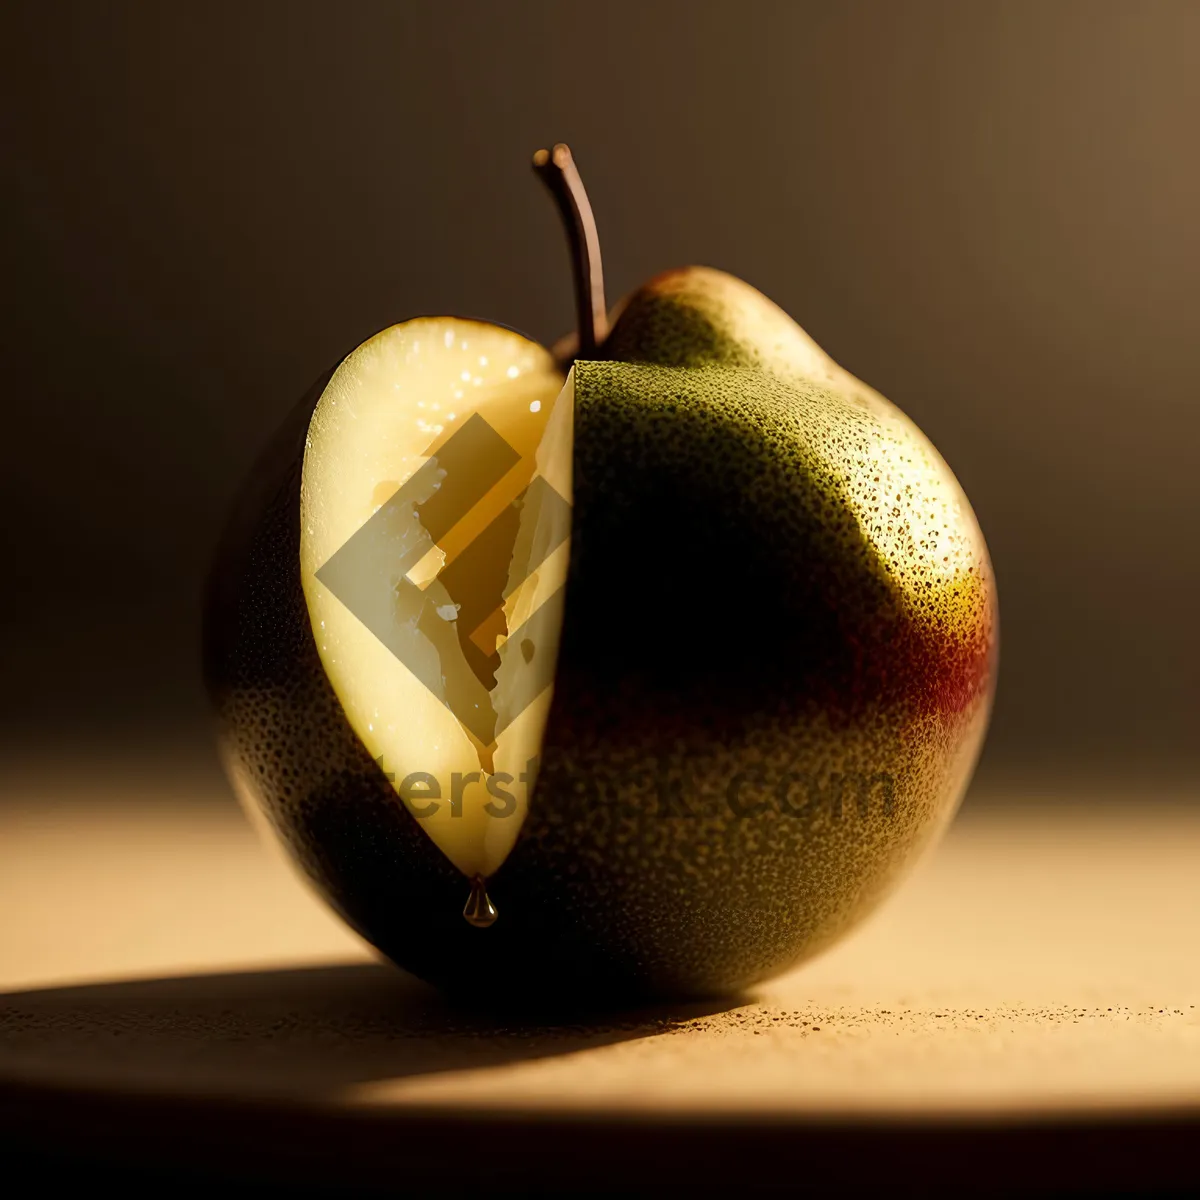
<point>450,424</point>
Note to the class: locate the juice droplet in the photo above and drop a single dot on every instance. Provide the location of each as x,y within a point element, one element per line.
<point>479,909</point>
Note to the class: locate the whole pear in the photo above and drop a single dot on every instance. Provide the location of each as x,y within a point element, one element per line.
<point>773,668</point>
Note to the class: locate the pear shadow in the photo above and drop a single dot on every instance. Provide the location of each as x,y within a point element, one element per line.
<point>303,1033</point>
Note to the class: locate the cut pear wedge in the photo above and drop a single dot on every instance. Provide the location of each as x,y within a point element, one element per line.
<point>434,542</point>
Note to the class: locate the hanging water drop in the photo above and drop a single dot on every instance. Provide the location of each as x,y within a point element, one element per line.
<point>479,909</point>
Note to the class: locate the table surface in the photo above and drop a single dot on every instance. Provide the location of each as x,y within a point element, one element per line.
<point>1043,964</point>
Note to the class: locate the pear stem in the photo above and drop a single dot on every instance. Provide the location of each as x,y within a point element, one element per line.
<point>558,172</point>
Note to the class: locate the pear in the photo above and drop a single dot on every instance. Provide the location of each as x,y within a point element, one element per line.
<point>667,669</point>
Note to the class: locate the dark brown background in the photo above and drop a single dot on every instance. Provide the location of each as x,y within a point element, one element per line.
<point>988,211</point>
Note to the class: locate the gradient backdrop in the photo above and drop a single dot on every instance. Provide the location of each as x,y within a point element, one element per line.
<point>988,211</point>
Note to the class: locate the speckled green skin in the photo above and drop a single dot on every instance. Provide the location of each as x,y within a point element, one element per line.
<point>761,713</point>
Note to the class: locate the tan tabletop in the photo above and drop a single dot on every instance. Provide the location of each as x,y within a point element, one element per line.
<point>171,989</point>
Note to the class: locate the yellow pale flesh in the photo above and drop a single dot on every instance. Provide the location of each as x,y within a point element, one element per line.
<point>388,409</point>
